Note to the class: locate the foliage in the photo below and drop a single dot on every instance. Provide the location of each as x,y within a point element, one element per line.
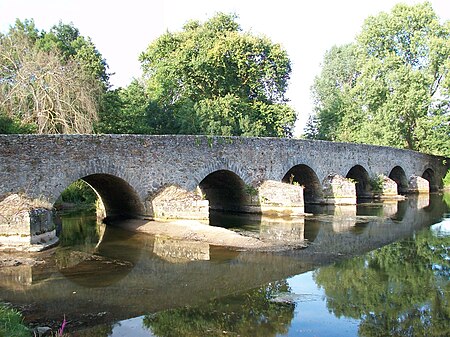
<point>339,73</point>
<point>130,111</point>
<point>250,315</point>
<point>446,179</point>
<point>376,183</point>
<point>446,199</point>
<point>10,125</point>
<point>250,190</point>
<point>50,82</point>
<point>213,79</point>
<point>78,230</point>
<point>11,323</point>
<point>391,86</point>
<point>398,290</point>
<point>78,192</point>
<point>67,39</point>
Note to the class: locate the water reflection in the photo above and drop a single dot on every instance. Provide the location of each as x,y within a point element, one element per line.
<point>101,275</point>
<point>90,253</point>
<point>399,290</point>
<point>79,229</point>
<point>180,251</point>
<point>251,315</point>
<point>402,289</point>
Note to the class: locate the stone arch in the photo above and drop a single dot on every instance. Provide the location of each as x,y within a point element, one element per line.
<point>305,176</point>
<point>224,190</point>
<point>118,196</point>
<point>398,175</point>
<point>361,177</point>
<point>214,166</point>
<point>429,175</point>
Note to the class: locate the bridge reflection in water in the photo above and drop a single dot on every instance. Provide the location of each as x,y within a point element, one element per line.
<point>123,274</point>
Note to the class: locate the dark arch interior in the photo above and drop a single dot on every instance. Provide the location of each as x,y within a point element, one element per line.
<point>398,175</point>
<point>305,176</point>
<point>429,175</point>
<point>118,197</point>
<point>224,190</point>
<point>360,175</point>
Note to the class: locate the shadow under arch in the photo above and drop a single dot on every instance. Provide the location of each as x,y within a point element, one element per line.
<point>398,175</point>
<point>360,175</point>
<point>225,191</point>
<point>119,197</point>
<point>428,174</point>
<point>305,176</point>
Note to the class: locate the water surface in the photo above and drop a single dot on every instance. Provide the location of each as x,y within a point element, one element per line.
<point>371,270</point>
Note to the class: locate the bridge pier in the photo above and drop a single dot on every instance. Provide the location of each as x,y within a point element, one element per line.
<point>384,188</point>
<point>278,198</point>
<point>26,224</point>
<point>338,190</point>
<point>173,202</point>
<point>271,198</point>
<point>418,185</point>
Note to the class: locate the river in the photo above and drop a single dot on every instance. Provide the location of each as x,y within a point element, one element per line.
<point>378,269</point>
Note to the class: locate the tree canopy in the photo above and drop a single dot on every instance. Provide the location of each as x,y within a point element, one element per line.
<point>211,78</point>
<point>389,87</point>
<point>49,82</point>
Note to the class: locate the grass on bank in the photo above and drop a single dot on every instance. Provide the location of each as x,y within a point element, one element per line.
<point>11,323</point>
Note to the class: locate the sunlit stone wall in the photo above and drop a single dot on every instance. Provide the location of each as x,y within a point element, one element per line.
<point>130,169</point>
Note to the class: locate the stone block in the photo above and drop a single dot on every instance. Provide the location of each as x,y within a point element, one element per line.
<point>174,202</point>
<point>26,224</point>
<point>338,190</point>
<point>279,198</point>
<point>418,185</point>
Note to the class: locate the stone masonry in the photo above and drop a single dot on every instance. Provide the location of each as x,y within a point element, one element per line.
<point>131,173</point>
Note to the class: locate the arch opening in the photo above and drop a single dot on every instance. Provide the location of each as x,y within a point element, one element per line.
<point>361,177</point>
<point>398,175</point>
<point>306,177</point>
<point>428,174</point>
<point>224,190</point>
<point>119,199</point>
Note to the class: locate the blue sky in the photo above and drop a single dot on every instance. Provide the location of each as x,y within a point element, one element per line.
<point>121,30</point>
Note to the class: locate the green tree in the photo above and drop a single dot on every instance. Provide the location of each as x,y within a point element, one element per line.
<point>130,111</point>
<point>330,90</point>
<point>398,92</point>
<point>72,45</point>
<point>213,79</point>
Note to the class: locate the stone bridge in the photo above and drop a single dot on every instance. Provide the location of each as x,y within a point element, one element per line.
<point>186,176</point>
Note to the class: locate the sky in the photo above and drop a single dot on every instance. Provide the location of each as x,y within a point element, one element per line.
<point>121,30</point>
